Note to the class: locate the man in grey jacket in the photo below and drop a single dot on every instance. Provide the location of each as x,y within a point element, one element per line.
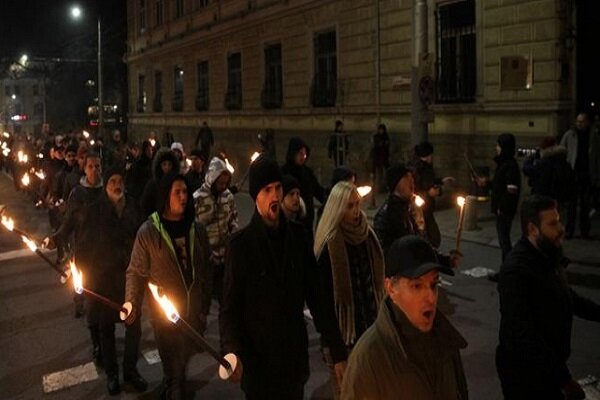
<point>583,154</point>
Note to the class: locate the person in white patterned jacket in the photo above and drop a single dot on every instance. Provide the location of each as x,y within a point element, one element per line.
<point>216,210</point>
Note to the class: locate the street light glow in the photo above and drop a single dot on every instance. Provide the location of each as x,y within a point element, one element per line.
<point>76,12</point>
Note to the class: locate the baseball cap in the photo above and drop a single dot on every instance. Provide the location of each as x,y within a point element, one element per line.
<point>411,257</point>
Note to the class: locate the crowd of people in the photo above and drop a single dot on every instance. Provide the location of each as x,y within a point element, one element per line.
<point>133,215</point>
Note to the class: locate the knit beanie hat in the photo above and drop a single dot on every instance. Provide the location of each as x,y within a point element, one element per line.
<point>423,149</point>
<point>112,171</point>
<point>289,183</point>
<point>263,171</point>
<point>394,174</point>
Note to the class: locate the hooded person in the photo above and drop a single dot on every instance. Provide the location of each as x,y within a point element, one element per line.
<point>140,172</point>
<point>197,171</point>
<point>171,251</point>
<point>177,148</point>
<point>295,165</point>
<point>215,208</point>
<point>164,162</point>
<point>292,204</point>
<point>270,274</point>
<point>108,232</point>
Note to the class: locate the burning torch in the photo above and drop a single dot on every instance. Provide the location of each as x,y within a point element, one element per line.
<point>253,158</point>
<point>79,289</point>
<point>460,201</point>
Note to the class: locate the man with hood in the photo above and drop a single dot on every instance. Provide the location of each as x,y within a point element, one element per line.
<point>109,229</point>
<point>171,251</point>
<point>295,165</point>
<point>536,310</point>
<point>506,187</point>
<point>216,210</point>
<point>270,273</point>
<point>583,154</point>
<point>197,171</point>
<point>164,162</point>
<point>140,172</point>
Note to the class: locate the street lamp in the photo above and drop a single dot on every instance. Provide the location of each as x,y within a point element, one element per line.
<point>76,13</point>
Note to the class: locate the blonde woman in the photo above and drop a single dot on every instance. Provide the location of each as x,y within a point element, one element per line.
<point>352,262</point>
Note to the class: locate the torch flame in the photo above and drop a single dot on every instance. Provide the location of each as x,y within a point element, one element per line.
<point>4,145</point>
<point>86,134</point>
<point>152,142</point>
<point>30,243</point>
<point>40,174</point>
<point>20,155</point>
<point>229,166</point>
<point>460,200</point>
<point>6,134</point>
<point>166,304</point>
<point>5,152</point>
<point>188,162</point>
<point>254,156</point>
<point>8,223</point>
<point>40,155</point>
<point>92,142</point>
<point>25,180</point>
<point>77,277</point>
<point>419,201</point>
<point>363,190</point>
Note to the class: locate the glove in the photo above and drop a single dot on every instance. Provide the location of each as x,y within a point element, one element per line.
<point>129,317</point>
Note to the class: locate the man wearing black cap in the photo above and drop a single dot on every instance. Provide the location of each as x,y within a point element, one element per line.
<point>412,350</point>
<point>292,204</point>
<point>270,273</point>
<point>196,173</point>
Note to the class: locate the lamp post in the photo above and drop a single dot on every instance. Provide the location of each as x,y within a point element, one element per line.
<point>76,13</point>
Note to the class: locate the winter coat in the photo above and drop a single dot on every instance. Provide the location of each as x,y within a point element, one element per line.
<point>393,221</point>
<point>194,180</point>
<point>138,176</point>
<point>60,182</point>
<point>507,173</point>
<point>72,179</point>
<point>154,260</point>
<point>569,140</point>
<point>261,318</point>
<point>551,175</point>
<point>216,212</point>
<point>425,179</point>
<point>380,366</point>
<point>310,188</point>
<point>106,244</point>
<point>149,196</point>
<point>381,150</point>
<point>536,309</point>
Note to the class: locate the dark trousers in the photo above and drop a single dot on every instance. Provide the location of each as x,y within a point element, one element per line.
<point>133,334</point>
<point>582,196</point>
<point>175,351</point>
<point>503,226</point>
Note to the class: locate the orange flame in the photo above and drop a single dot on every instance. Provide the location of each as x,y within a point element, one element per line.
<point>152,142</point>
<point>460,200</point>
<point>30,243</point>
<point>168,307</point>
<point>25,180</point>
<point>419,201</point>
<point>363,190</point>
<point>40,174</point>
<point>8,223</point>
<point>254,156</point>
<point>77,277</point>
<point>229,166</point>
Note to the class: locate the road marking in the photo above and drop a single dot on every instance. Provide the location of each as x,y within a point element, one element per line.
<point>151,356</point>
<point>11,255</point>
<point>69,377</point>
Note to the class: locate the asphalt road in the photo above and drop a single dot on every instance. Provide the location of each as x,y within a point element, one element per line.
<point>40,336</point>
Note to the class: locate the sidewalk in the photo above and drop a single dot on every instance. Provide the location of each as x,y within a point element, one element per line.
<point>580,251</point>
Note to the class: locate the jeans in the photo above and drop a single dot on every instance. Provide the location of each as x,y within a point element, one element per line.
<point>503,226</point>
<point>175,351</point>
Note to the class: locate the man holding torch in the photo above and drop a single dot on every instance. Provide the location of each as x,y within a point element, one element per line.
<point>270,273</point>
<point>172,252</point>
<point>110,225</point>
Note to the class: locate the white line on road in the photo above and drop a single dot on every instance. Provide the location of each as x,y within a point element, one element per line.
<point>69,377</point>
<point>11,255</point>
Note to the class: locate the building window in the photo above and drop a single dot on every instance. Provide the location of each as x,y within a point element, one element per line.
<point>142,16</point>
<point>141,95</point>
<point>36,89</point>
<point>324,84</point>
<point>157,106</point>
<point>233,97</point>
<point>199,4</point>
<point>272,93</point>
<point>456,52</point>
<point>177,104</point>
<point>158,12</point>
<point>202,99</point>
<point>178,8</point>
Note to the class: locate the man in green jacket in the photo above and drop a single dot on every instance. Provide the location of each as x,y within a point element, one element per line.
<point>411,351</point>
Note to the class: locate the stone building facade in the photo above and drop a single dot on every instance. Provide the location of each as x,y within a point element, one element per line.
<point>297,66</point>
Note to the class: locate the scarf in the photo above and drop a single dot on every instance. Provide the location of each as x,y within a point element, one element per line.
<point>340,270</point>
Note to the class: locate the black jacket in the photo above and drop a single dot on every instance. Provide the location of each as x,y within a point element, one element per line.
<point>107,241</point>
<point>261,318</point>
<point>536,307</point>
<point>551,175</point>
<point>425,179</point>
<point>138,176</point>
<point>148,201</point>
<point>393,221</point>
<point>310,188</point>
<point>507,173</point>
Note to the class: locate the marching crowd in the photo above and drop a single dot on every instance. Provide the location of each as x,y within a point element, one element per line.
<point>133,215</point>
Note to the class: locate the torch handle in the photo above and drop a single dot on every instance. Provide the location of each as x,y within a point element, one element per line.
<point>459,230</point>
<point>107,302</point>
<point>199,339</point>
<point>53,265</point>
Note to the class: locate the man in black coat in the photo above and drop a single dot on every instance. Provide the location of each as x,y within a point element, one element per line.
<point>295,165</point>
<point>270,273</point>
<point>110,226</point>
<point>537,307</point>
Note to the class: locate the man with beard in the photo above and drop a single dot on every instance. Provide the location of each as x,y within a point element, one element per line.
<point>110,225</point>
<point>536,308</point>
<point>270,273</point>
<point>583,150</point>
